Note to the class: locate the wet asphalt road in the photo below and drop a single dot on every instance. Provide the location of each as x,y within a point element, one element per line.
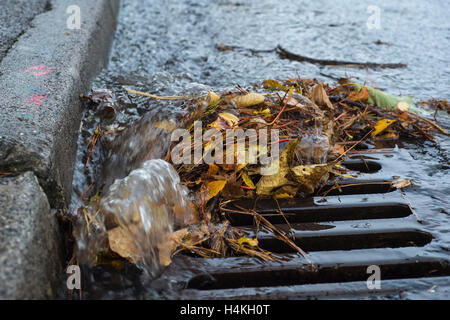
<point>15,19</point>
<point>156,38</point>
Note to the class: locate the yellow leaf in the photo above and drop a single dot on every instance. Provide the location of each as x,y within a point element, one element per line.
<point>309,177</point>
<point>248,100</point>
<point>213,98</point>
<point>265,111</point>
<point>276,172</point>
<point>225,120</point>
<point>274,84</point>
<point>250,242</point>
<point>213,169</point>
<point>215,187</point>
<point>381,125</point>
<point>231,119</point>
<point>248,182</point>
<point>241,166</point>
<point>282,195</point>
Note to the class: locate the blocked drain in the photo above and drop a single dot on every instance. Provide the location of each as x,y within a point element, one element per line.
<point>364,222</point>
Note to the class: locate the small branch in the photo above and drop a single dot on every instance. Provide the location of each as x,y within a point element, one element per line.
<point>283,53</point>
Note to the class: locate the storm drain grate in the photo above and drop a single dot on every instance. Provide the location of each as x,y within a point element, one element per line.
<point>344,232</point>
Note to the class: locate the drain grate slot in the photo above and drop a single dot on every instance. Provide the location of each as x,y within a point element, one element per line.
<point>348,187</point>
<point>363,166</point>
<point>319,213</point>
<point>325,274</point>
<point>350,241</point>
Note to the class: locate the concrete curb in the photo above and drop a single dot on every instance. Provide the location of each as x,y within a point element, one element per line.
<point>41,80</point>
<point>30,241</point>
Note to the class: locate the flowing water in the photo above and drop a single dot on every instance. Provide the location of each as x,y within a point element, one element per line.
<point>170,48</point>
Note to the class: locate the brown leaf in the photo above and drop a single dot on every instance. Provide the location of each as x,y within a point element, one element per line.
<point>309,177</point>
<point>185,216</point>
<point>169,245</point>
<point>121,241</point>
<point>361,96</point>
<point>320,97</point>
<point>399,184</point>
<point>213,169</point>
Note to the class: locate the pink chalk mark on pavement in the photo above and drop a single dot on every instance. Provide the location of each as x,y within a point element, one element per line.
<point>41,70</point>
<point>37,99</point>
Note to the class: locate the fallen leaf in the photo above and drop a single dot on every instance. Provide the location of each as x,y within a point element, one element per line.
<point>233,190</point>
<point>319,96</point>
<point>258,123</point>
<point>167,247</point>
<point>403,106</point>
<point>274,84</point>
<point>121,241</point>
<point>338,149</point>
<point>248,100</point>
<point>250,242</point>
<point>248,182</point>
<point>213,98</point>
<point>388,136</point>
<point>309,177</point>
<point>185,215</point>
<point>279,169</point>
<point>214,187</point>
<point>283,195</point>
<point>362,95</point>
<point>403,117</point>
<point>399,184</point>
<point>213,169</point>
<point>265,111</point>
<point>225,120</point>
<point>381,125</point>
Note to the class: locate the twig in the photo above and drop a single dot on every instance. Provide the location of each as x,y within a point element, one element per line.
<point>284,107</point>
<point>274,230</point>
<point>145,94</point>
<point>283,53</point>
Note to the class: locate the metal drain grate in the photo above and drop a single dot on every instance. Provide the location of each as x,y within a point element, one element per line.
<point>366,224</point>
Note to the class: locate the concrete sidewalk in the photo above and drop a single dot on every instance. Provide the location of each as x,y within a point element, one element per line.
<point>41,78</point>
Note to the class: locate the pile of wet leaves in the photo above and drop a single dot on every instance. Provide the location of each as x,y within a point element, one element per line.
<point>307,127</point>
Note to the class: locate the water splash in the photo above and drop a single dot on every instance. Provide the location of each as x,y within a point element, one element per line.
<point>141,209</point>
